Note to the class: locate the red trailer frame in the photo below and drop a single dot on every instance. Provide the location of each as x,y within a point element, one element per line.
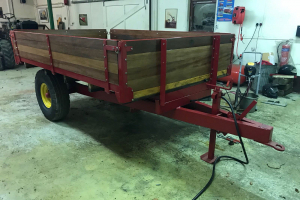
<point>180,104</point>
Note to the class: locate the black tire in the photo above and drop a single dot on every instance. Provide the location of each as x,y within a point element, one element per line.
<point>8,54</point>
<point>59,94</point>
<point>1,64</point>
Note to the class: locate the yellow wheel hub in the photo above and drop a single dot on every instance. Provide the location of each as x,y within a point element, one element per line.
<point>45,95</point>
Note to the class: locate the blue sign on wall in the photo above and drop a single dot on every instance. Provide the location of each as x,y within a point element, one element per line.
<point>225,9</point>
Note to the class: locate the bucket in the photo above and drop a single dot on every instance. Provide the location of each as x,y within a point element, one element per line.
<point>246,101</point>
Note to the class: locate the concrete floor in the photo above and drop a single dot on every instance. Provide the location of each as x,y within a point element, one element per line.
<point>102,151</point>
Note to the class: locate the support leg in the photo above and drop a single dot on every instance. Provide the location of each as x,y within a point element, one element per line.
<point>210,155</point>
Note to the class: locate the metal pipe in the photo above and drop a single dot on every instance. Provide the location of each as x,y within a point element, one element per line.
<point>50,14</point>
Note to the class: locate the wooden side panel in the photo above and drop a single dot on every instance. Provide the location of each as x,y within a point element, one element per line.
<point>188,62</point>
<point>122,34</point>
<point>93,33</point>
<point>79,55</point>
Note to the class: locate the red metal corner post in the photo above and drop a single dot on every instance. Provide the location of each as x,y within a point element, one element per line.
<point>125,93</point>
<point>15,47</point>
<point>216,96</point>
<point>215,60</point>
<point>210,155</point>
<point>163,72</point>
<point>231,58</point>
<point>50,54</point>
<point>107,88</point>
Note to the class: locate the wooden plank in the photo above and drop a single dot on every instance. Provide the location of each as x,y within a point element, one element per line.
<point>80,61</point>
<point>96,54</point>
<point>34,44</point>
<point>76,42</point>
<point>40,52</point>
<point>143,46</point>
<point>94,33</point>
<point>35,57</point>
<point>89,72</point>
<point>156,90</point>
<point>144,69</point>
<point>143,34</point>
<point>86,62</point>
<point>30,36</point>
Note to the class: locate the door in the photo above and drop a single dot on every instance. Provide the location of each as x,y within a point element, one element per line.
<point>126,14</point>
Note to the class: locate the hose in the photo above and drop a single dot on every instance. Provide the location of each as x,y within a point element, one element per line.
<point>228,157</point>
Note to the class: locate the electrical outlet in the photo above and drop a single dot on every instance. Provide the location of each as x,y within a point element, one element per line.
<point>253,49</point>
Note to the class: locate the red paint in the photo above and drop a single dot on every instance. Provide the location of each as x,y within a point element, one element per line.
<point>180,104</point>
<point>234,75</point>
<point>238,15</point>
<point>285,53</point>
<point>215,60</point>
<point>107,88</point>
<point>163,71</point>
<point>50,54</point>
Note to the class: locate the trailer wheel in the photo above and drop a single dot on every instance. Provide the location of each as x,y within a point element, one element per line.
<point>8,54</point>
<point>52,95</point>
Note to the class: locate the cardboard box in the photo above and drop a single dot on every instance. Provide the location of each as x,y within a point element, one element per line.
<point>269,57</point>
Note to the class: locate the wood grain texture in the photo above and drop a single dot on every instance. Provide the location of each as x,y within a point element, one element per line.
<point>143,46</point>
<point>89,72</point>
<point>156,90</point>
<point>86,62</point>
<point>141,34</point>
<point>36,44</point>
<point>94,33</point>
<point>40,52</point>
<point>31,36</point>
<point>35,57</point>
<point>91,43</point>
<point>144,69</point>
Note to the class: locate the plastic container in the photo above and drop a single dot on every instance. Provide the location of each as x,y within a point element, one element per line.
<point>246,101</point>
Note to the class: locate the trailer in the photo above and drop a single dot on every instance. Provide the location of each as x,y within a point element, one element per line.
<point>160,72</point>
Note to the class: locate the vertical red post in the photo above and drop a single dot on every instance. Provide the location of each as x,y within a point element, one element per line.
<point>107,88</point>
<point>231,58</point>
<point>210,155</point>
<point>163,72</point>
<point>50,54</point>
<point>215,59</point>
<point>15,47</point>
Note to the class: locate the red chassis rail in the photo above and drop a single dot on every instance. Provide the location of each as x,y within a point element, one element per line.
<point>199,114</point>
<point>180,104</point>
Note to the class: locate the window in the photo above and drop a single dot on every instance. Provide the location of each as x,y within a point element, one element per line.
<point>202,15</point>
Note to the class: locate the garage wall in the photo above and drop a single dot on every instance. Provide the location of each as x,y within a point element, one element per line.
<point>22,11</point>
<point>280,20</point>
<point>158,14</point>
<point>125,14</point>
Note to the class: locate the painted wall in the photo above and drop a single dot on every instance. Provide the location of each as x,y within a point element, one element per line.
<point>280,20</point>
<point>158,14</point>
<point>22,11</point>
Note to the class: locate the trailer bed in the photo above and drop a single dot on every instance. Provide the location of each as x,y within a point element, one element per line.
<point>129,63</point>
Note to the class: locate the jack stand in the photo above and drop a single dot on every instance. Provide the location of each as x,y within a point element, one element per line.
<point>210,157</point>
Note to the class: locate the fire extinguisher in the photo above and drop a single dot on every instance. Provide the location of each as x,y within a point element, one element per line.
<point>285,53</point>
